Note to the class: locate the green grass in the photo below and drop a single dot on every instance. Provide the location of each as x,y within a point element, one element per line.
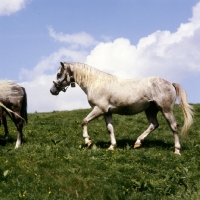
<point>53,162</point>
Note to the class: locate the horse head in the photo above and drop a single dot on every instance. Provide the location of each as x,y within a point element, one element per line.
<point>63,79</point>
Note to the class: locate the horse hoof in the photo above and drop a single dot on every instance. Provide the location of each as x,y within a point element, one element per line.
<point>18,144</point>
<point>177,152</point>
<point>112,147</point>
<point>136,145</point>
<point>89,144</point>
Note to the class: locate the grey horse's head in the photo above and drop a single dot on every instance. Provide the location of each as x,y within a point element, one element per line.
<point>63,79</point>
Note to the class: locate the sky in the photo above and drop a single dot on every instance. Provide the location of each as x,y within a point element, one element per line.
<point>126,38</point>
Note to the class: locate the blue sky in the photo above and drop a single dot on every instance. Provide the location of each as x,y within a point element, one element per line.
<point>127,38</point>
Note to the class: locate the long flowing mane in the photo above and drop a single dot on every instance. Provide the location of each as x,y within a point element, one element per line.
<point>86,75</point>
<point>8,87</point>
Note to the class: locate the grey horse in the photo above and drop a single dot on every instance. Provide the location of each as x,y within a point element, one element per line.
<point>108,94</point>
<point>14,98</point>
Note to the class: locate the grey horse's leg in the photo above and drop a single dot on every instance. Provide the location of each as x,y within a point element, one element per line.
<point>169,116</point>
<point>19,125</point>
<point>108,119</point>
<point>96,112</point>
<point>4,121</point>
<point>151,114</point>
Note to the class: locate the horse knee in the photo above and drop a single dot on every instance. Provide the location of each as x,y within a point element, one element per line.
<point>153,126</point>
<point>110,128</point>
<point>84,122</point>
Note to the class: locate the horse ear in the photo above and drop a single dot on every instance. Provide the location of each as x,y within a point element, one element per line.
<point>62,64</point>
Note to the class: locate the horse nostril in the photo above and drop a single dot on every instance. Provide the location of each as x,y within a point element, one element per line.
<point>51,92</point>
<point>54,92</point>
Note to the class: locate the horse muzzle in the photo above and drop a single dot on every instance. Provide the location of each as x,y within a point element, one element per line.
<point>54,91</point>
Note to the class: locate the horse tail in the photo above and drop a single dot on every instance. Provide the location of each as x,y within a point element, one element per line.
<point>23,111</point>
<point>188,110</point>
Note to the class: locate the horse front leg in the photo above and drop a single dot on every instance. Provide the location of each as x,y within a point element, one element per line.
<point>108,119</point>
<point>96,112</point>
<point>86,137</point>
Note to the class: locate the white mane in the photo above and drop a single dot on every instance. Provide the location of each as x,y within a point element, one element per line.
<point>88,76</point>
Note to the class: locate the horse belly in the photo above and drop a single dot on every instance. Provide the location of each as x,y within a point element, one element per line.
<point>129,109</point>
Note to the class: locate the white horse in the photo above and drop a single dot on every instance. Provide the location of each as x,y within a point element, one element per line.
<point>108,94</point>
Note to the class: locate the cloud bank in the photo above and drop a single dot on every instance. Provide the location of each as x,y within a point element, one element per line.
<point>173,56</point>
<point>7,7</point>
<point>170,55</point>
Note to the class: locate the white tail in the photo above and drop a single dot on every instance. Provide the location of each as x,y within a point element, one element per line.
<point>10,111</point>
<point>188,110</point>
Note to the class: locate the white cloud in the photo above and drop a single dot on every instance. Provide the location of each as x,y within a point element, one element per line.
<point>51,63</point>
<point>173,56</point>
<point>114,57</point>
<point>38,83</point>
<point>170,55</point>
<point>82,38</point>
<point>7,7</point>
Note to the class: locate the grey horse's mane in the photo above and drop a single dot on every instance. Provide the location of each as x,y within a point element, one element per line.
<point>6,83</point>
<point>86,75</point>
<point>6,87</point>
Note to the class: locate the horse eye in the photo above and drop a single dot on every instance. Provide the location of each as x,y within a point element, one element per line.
<point>58,75</point>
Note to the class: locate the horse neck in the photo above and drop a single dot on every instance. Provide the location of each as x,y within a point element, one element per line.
<point>89,78</point>
<point>82,76</point>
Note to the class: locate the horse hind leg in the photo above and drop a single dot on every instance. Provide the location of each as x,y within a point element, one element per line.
<point>19,139</point>
<point>19,125</point>
<point>169,116</point>
<point>151,114</point>
<point>4,122</point>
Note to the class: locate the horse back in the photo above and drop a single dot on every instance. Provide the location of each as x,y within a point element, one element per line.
<point>134,95</point>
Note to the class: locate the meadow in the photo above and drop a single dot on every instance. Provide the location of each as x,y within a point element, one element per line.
<point>53,162</point>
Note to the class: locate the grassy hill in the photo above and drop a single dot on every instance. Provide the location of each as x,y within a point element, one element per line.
<point>53,162</point>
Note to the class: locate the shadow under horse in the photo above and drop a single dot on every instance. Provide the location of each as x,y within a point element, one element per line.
<point>14,97</point>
